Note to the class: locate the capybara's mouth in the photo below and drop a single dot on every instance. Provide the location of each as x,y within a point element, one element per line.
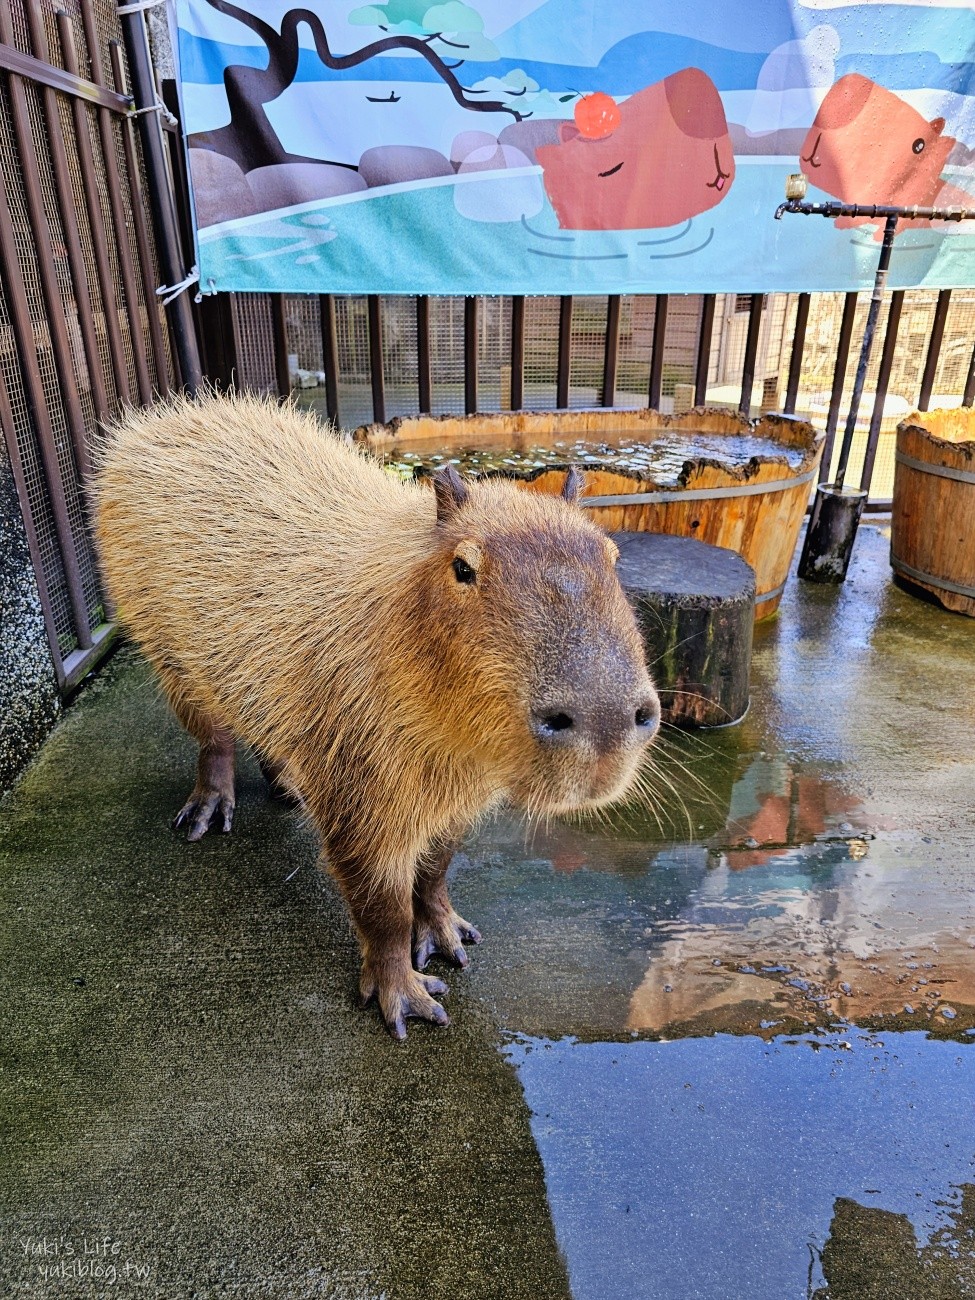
<point>611,779</point>
<point>811,160</point>
<point>722,176</point>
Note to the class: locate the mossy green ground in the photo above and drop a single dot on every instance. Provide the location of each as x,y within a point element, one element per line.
<point>185,1066</point>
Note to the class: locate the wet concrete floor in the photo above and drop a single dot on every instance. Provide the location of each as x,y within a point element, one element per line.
<point>719,1048</point>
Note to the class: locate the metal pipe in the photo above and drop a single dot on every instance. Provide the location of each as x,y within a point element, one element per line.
<point>179,312</point>
<point>934,349</point>
<point>424,369</point>
<point>873,313</point>
<point>279,332</point>
<point>564,366</point>
<point>657,351</point>
<point>330,356</point>
<point>611,350</point>
<point>836,510</point>
<point>517,352</point>
<point>376,375</point>
<point>883,380</point>
<point>839,379</point>
<point>470,354</point>
<point>873,210</point>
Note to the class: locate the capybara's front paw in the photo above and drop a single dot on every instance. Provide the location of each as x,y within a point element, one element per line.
<point>443,934</point>
<point>199,810</point>
<point>400,998</point>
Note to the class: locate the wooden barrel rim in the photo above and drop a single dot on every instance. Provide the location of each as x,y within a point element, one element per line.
<point>940,471</point>
<point>695,494</point>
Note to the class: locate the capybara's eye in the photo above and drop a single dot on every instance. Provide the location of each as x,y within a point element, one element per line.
<point>463,571</point>
<point>918,145</point>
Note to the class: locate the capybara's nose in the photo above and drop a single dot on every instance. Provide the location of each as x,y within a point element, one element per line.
<point>602,725</point>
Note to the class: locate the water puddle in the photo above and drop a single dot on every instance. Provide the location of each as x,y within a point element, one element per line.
<point>791,909</point>
<point>745,1018</point>
<point>832,1166</point>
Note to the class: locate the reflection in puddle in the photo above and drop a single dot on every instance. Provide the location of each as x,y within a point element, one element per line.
<point>873,1252</point>
<point>795,910</point>
<point>834,1166</point>
<point>805,918</point>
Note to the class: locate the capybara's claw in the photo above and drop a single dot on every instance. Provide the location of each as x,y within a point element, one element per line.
<point>414,999</point>
<point>444,936</point>
<point>199,810</point>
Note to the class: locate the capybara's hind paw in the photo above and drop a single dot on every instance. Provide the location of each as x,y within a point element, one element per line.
<point>401,1000</point>
<point>443,936</point>
<point>199,810</point>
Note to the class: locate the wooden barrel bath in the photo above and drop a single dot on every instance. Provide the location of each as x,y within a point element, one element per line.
<point>755,507</point>
<point>932,539</point>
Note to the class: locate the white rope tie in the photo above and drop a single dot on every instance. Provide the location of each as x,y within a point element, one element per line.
<point>172,291</point>
<point>157,107</point>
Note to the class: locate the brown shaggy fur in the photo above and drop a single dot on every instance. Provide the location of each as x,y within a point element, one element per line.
<point>293,595</point>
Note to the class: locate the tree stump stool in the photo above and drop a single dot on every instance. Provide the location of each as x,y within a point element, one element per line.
<point>695,605</point>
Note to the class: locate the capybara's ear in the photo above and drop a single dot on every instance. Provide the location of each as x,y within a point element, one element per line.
<point>937,125</point>
<point>450,491</point>
<point>572,487</point>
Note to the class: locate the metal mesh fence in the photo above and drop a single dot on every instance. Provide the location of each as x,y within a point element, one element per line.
<point>111,248</point>
<point>680,345</point>
<point>399,356</point>
<point>255,341</point>
<point>494,354</point>
<point>86,239</point>
<point>36,484</point>
<point>447,355</point>
<point>636,336</point>
<point>588,351</point>
<point>18,21</point>
<point>78,287</point>
<point>27,257</point>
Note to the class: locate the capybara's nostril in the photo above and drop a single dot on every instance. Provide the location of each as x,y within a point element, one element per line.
<point>647,718</point>
<point>554,726</point>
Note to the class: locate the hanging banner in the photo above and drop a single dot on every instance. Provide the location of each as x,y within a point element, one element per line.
<point>569,147</point>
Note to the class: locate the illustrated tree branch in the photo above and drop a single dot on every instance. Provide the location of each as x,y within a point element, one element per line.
<point>249,138</point>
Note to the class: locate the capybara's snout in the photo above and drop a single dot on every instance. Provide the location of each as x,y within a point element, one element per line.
<point>602,726</point>
<point>592,720</point>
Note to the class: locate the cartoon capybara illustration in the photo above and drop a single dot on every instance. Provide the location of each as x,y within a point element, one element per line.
<point>868,145</point>
<point>664,155</point>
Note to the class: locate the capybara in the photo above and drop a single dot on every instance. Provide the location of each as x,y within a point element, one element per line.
<point>867,145</point>
<point>404,659</point>
<point>662,156</point>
